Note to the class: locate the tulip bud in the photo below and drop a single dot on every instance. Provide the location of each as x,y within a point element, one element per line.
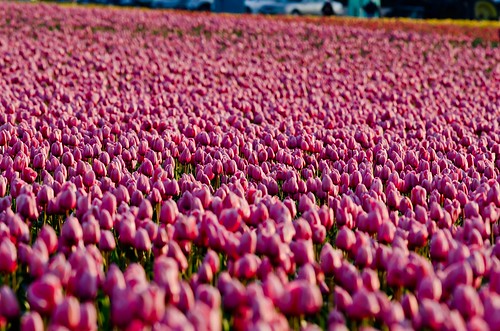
<point>168,212</point>
<point>303,251</point>
<point>248,243</point>
<point>45,294</point>
<point>439,246</point>
<point>330,259</point>
<point>345,239</point>
<point>231,219</point>
<point>364,305</point>
<point>32,321</point>
<point>124,305</point>
<point>66,199</point>
<point>429,288</point>
<point>208,295</point>
<point>151,304</point>
<point>49,237</point>
<point>145,210</point>
<point>91,232</point>
<point>9,307</point>
<point>186,297</point>
<point>26,206</point>
<point>88,317</point>
<point>467,301</point>
<point>142,242</point>
<point>300,297</point>
<point>107,241</point>
<point>89,178</point>
<point>370,280</point>
<point>166,275</point>
<point>72,232</point>
<point>67,313</point>
<point>8,255</point>
<point>114,279</point>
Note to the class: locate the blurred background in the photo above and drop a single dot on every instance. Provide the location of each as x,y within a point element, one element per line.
<point>455,9</point>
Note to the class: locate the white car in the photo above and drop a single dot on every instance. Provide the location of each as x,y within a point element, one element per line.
<point>303,7</point>
<point>253,6</point>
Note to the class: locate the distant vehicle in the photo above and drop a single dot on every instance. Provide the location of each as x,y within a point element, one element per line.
<point>303,7</point>
<point>251,6</point>
<point>468,9</point>
<point>200,5</point>
<point>173,4</point>
<point>295,7</point>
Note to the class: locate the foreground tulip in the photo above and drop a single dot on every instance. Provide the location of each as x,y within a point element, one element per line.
<point>67,313</point>
<point>32,321</point>
<point>72,232</point>
<point>330,259</point>
<point>467,301</point>
<point>9,307</point>
<point>88,317</point>
<point>124,304</point>
<point>45,294</point>
<point>26,206</point>
<point>166,275</point>
<point>300,297</point>
<point>364,305</point>
<point>8,256</point>
<point>151,305</point>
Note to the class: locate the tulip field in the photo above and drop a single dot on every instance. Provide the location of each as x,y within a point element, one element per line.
<point>178,171</point>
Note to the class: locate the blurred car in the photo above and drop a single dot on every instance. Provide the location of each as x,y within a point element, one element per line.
<point>302,7</point>
<point>294,7</point>
<point>201,5</point>
<point>251,6</point>
<point>174,4</point>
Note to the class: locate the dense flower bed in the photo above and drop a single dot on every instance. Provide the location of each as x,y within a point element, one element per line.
<point>200,172</point>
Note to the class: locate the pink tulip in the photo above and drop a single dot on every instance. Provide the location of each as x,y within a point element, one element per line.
<point>429,288</point>
<point>114,279</point>
<point>72,232</point>
<point>107,241</point>
<point>88,317</point>
<point>66,199</point>
<point>49,237</point>
<point>124,305</point>
<point>32,321</point>
<point>432,314</point>
<point>467,301</point>
<point>186,297</point>
<point>8,256</point>
<point>300,297</point>
<point>370,280</point>
<point>231,219</point>
<point>303,251</point>
<point>330,259</point>
<point>364,305</point>
<point>151,307</point>
<point>45,294</point>
<point>169,212</point>
<point>91,232</point>
<point>26,206</point>
<point>456,274</point>
<point>67,313</point>
<point>9,307</point>
<point>166,275</point>
<point>208,295</point>
<point>345,239</point>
